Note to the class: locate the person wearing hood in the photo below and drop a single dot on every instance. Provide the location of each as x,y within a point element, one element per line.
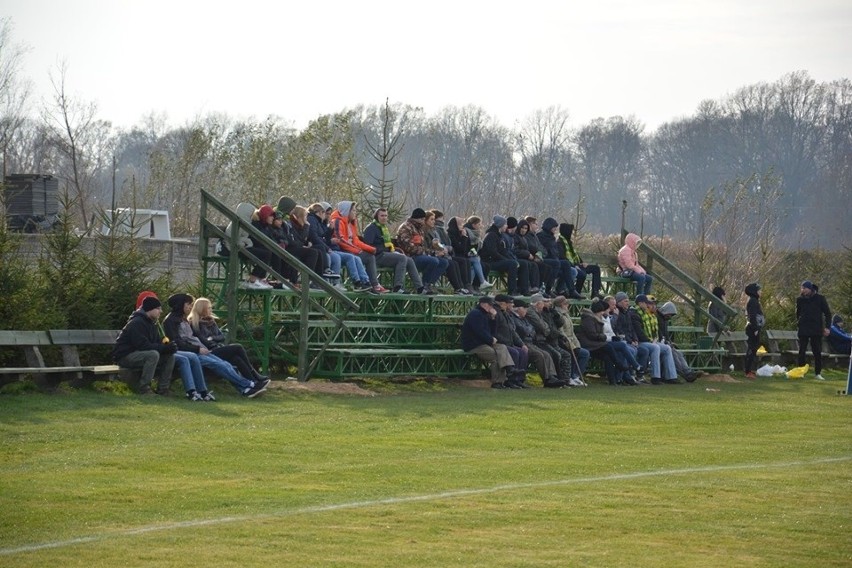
<point>139,346</point>
<point>527,246</point>
<point>179,332</point>
<point>838,338</point>
<point>338,257</point>
<point>665,314</point>
<point>520,253</point>
<point>344,224</point>
<point>755,322</point>
<point>566,274</point>
<point>378,235</point>
<point>458,268</point>
<point>715,311</point>
<point>813,318</point>
<point>628,264</point>
<point>412,240</point>
<point>566,231</point>
<point>497,257</point>
<point>299,230</point>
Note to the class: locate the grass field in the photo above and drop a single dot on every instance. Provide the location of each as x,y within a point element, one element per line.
<point>755,474</point>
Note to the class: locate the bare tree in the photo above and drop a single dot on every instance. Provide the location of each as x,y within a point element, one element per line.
<point>82,139</point>
<point>14,89</point>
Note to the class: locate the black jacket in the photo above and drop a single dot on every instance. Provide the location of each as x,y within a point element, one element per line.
<point>494,247</point>
<point>477,329</point>
<point>812,315</point>
<point>140,333</point>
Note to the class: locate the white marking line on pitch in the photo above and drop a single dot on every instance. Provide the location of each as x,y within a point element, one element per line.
<point>409,499</point>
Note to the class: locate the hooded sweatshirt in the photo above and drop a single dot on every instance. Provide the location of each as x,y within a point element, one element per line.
<point>548,240</point>
<point>754,312</point>
<point>628,259</point>
<point>812,314</point>
<point>346,230</point>
<point>140,333</point>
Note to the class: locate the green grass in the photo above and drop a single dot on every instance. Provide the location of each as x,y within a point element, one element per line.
<point>757,474</point>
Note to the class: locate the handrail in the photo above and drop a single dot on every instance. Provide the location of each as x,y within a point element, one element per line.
<point>231,238</point>
<point>701,295</point>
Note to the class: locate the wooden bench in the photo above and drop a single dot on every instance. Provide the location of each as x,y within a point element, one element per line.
<point>735,343</point>
<point>71,369</point>
<point>786,343</point>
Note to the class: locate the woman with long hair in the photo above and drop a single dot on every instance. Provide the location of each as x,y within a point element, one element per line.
<point>203,323</point>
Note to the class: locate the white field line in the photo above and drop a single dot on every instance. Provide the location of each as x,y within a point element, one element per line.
<point>410,499</point>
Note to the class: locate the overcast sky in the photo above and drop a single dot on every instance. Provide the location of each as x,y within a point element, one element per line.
<point>653,59</point>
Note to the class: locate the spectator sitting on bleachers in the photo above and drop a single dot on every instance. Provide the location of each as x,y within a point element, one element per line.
<point>461,243</point>
<point>458,275</point>
<point>541,359</point>
<point>548,270</point>
<point>299,230</point>
<point>338,258</point>
<point>412,240</point>
<point>139,346</point>
<point>566,232</point>
<point>472,226</point>
<point>458,269</point>
<point>566,274</point>
<point>257,278</point>
<point>568,339</point>
<point>522,255</point>
<point>496,256</point>
<point>477,337</point>
<point>628,264</point>
<point>378,235</point>
<point>526,243</point>
<point>344,224</point>
<point>838,338</point>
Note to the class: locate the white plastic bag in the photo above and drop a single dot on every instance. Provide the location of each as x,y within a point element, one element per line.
<point>765,371</point>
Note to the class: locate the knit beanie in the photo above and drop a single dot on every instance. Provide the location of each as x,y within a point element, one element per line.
<point>511,222</point>
<point>265,211</point>
<point>418,213</point>
<point>499,221</point>
<point>151,303</point>
<point>621,296</point>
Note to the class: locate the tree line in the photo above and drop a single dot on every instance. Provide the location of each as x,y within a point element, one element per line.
<point>772,161</point>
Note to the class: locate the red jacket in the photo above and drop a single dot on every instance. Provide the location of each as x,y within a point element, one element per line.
<point>346,230</point>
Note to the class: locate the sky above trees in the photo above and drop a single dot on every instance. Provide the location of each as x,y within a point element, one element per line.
<point>655,60</point>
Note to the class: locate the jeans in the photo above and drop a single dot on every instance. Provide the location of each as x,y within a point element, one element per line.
<point>189,367</point>
<point>224,370</point>
<point>476,270</point>
<point>432,267</point>
<point>653,358</point>
<point>354,266</point>
<point>643,283</point>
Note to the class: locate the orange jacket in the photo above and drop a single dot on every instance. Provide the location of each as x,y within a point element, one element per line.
<point>346,230</point>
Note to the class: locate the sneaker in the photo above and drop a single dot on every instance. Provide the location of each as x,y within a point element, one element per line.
<point>427,291</point>
<point>572,382</point>
<point>656,381</point>
<point>253,391</point>
<point>486,285</point>
<point>400,290</point>
<point>380,289</point>
<point>262,285</point>
<point>554,384</point>
<point>497,386</point>
<point>819,378</point>
<point>330,275</point>
<point>194,396</point>
<point>672,381</point>
<point>340,287</point>
<point>751,375</point>
<point>361,289</point>
<point>208,397</point>
<point>263,382</point>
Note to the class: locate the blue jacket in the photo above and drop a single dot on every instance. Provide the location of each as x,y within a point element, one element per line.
<point>477,329</point>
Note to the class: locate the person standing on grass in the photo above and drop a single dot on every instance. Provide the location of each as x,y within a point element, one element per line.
<point>477,337</point>
<point>756,321</point>
<point>139,346</point>
<point>813,319</point>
